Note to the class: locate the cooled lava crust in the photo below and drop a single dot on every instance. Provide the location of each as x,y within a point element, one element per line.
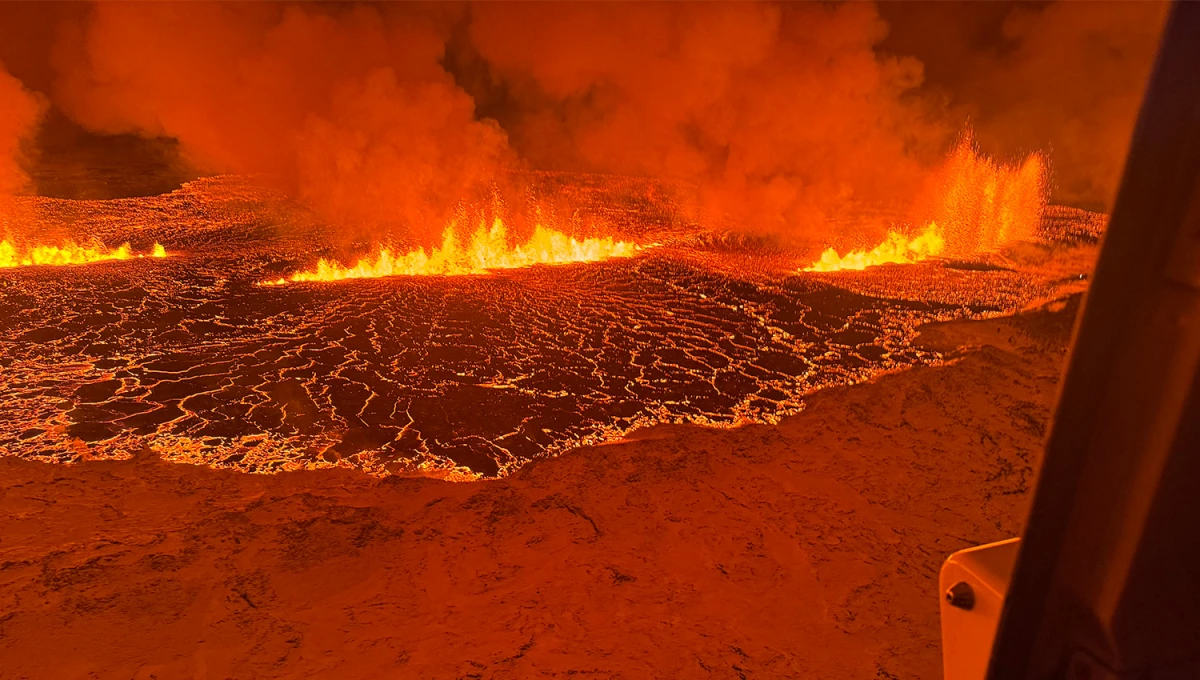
<point>452,376</point>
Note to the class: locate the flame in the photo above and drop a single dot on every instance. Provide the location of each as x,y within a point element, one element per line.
<point>67,253</point>
<point>488,249</point>
<point>896,249</point>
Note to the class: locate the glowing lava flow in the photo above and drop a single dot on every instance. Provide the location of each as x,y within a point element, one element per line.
<point>896,249</point>
<point>488,249</point>
<point>68,253</point>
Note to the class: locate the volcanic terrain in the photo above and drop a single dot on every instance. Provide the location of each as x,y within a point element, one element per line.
<point>456,376</point>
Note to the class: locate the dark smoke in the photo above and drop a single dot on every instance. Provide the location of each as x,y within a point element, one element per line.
<point>1061,77</point>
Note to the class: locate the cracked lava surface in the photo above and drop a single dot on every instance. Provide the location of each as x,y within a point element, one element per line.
<point>458,377</point>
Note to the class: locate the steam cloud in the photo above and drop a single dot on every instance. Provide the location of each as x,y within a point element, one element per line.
<point>18,116</point>
<point>788,117</point>
<point>1073,86</point>
<point>785,115</point>
<point>348,105</point>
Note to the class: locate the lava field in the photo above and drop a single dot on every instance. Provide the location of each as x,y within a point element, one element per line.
<point>453,376</point>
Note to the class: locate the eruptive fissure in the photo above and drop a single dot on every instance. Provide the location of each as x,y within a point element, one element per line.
<point>976,204</point>
<point>792,259</point>
<point>896,249</point>
<point>68,253</point>
<point>691,154</point>
<point>489,248</point>
<point>450,376</point>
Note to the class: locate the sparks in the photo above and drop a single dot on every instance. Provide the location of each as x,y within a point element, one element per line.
<point>984,205</point>
<point>972,204</point>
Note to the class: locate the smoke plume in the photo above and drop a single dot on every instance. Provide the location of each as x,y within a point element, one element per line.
<point>20,110</point>
<point>348,105</point>
<point>784,114</point>
<point>1072,86</point>
<point>18,116</point>
<point>792,119</point>
<point>1065,78</point>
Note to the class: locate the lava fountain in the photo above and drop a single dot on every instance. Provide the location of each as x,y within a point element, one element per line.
<point>972,205</point>
<point>430,373</point>
<point>985,205</point>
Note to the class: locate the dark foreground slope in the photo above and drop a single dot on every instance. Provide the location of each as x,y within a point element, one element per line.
<point>808,549</point>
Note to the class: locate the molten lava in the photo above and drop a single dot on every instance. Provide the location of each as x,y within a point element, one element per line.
<point>488,249</point>
<point>454,377</point>
<point>896,249</point>
<point>972,204</point>
<point>984,205</point>
<point>68,252</point>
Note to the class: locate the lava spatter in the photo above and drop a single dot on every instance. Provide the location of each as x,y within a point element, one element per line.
<point>972,205</point>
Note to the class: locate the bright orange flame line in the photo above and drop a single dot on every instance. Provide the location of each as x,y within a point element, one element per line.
<point>68,253</point>
<point>488,249</point>
<point>896,249</point>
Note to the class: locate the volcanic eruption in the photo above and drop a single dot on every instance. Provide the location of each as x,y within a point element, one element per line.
<point>487,249</point>
<point>726,321</point>
<point>68,253</point>
<point>535,252</point>
<point>975,206</point>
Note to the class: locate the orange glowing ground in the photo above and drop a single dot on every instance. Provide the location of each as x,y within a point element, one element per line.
<point>488,249</point>
<point>68,253</point>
